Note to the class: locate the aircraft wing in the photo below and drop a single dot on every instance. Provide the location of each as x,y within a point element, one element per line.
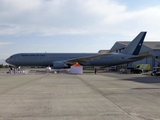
<point>82,60</point>
<point>142,55</point>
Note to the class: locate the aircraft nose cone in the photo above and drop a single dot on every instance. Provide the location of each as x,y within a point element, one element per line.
<point>7,60</point>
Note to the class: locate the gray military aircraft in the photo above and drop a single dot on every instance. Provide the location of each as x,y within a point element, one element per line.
<point>65,60</point>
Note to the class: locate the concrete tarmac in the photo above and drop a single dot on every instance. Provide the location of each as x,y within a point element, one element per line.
<point>104,96</point>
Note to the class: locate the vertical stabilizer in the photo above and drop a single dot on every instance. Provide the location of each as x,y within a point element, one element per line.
<point>135,46</point>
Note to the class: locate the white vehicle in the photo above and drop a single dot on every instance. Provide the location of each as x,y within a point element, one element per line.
<point>156,71</point>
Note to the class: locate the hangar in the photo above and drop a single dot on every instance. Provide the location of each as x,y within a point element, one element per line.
<point>152,47</point>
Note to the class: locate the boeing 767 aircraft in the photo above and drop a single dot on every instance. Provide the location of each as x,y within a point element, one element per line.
<point>65,60</point>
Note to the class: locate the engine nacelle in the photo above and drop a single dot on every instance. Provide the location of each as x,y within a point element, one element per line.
<point>59,65</point>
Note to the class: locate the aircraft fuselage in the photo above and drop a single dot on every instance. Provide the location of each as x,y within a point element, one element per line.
<point>47,59</point>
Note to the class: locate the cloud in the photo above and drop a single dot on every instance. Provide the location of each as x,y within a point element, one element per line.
<point>52,17</point>
<point>5,43</point>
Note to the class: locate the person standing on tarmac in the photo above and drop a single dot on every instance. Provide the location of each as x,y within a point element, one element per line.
<point>95,70</point>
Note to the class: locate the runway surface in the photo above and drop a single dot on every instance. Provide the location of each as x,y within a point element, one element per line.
<point>104,96</point>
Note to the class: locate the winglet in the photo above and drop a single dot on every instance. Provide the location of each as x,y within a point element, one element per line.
<point>135,46</point>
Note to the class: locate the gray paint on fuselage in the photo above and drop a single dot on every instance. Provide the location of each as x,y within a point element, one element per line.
<point>111,60</point>
<point>43,59</point>
<point>47,59</point>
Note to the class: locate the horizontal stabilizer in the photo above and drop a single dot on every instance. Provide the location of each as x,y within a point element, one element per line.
<point>142,55</point>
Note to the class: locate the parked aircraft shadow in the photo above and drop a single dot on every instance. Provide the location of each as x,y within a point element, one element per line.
<point>147,79</point>
<point>145,88</point>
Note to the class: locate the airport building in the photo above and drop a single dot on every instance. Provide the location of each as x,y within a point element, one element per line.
<point>152,47</point>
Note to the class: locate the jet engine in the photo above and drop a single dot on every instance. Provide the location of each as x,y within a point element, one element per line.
<point>60,65</point>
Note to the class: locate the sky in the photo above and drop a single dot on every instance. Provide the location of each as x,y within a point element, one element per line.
<point>79,26</point>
